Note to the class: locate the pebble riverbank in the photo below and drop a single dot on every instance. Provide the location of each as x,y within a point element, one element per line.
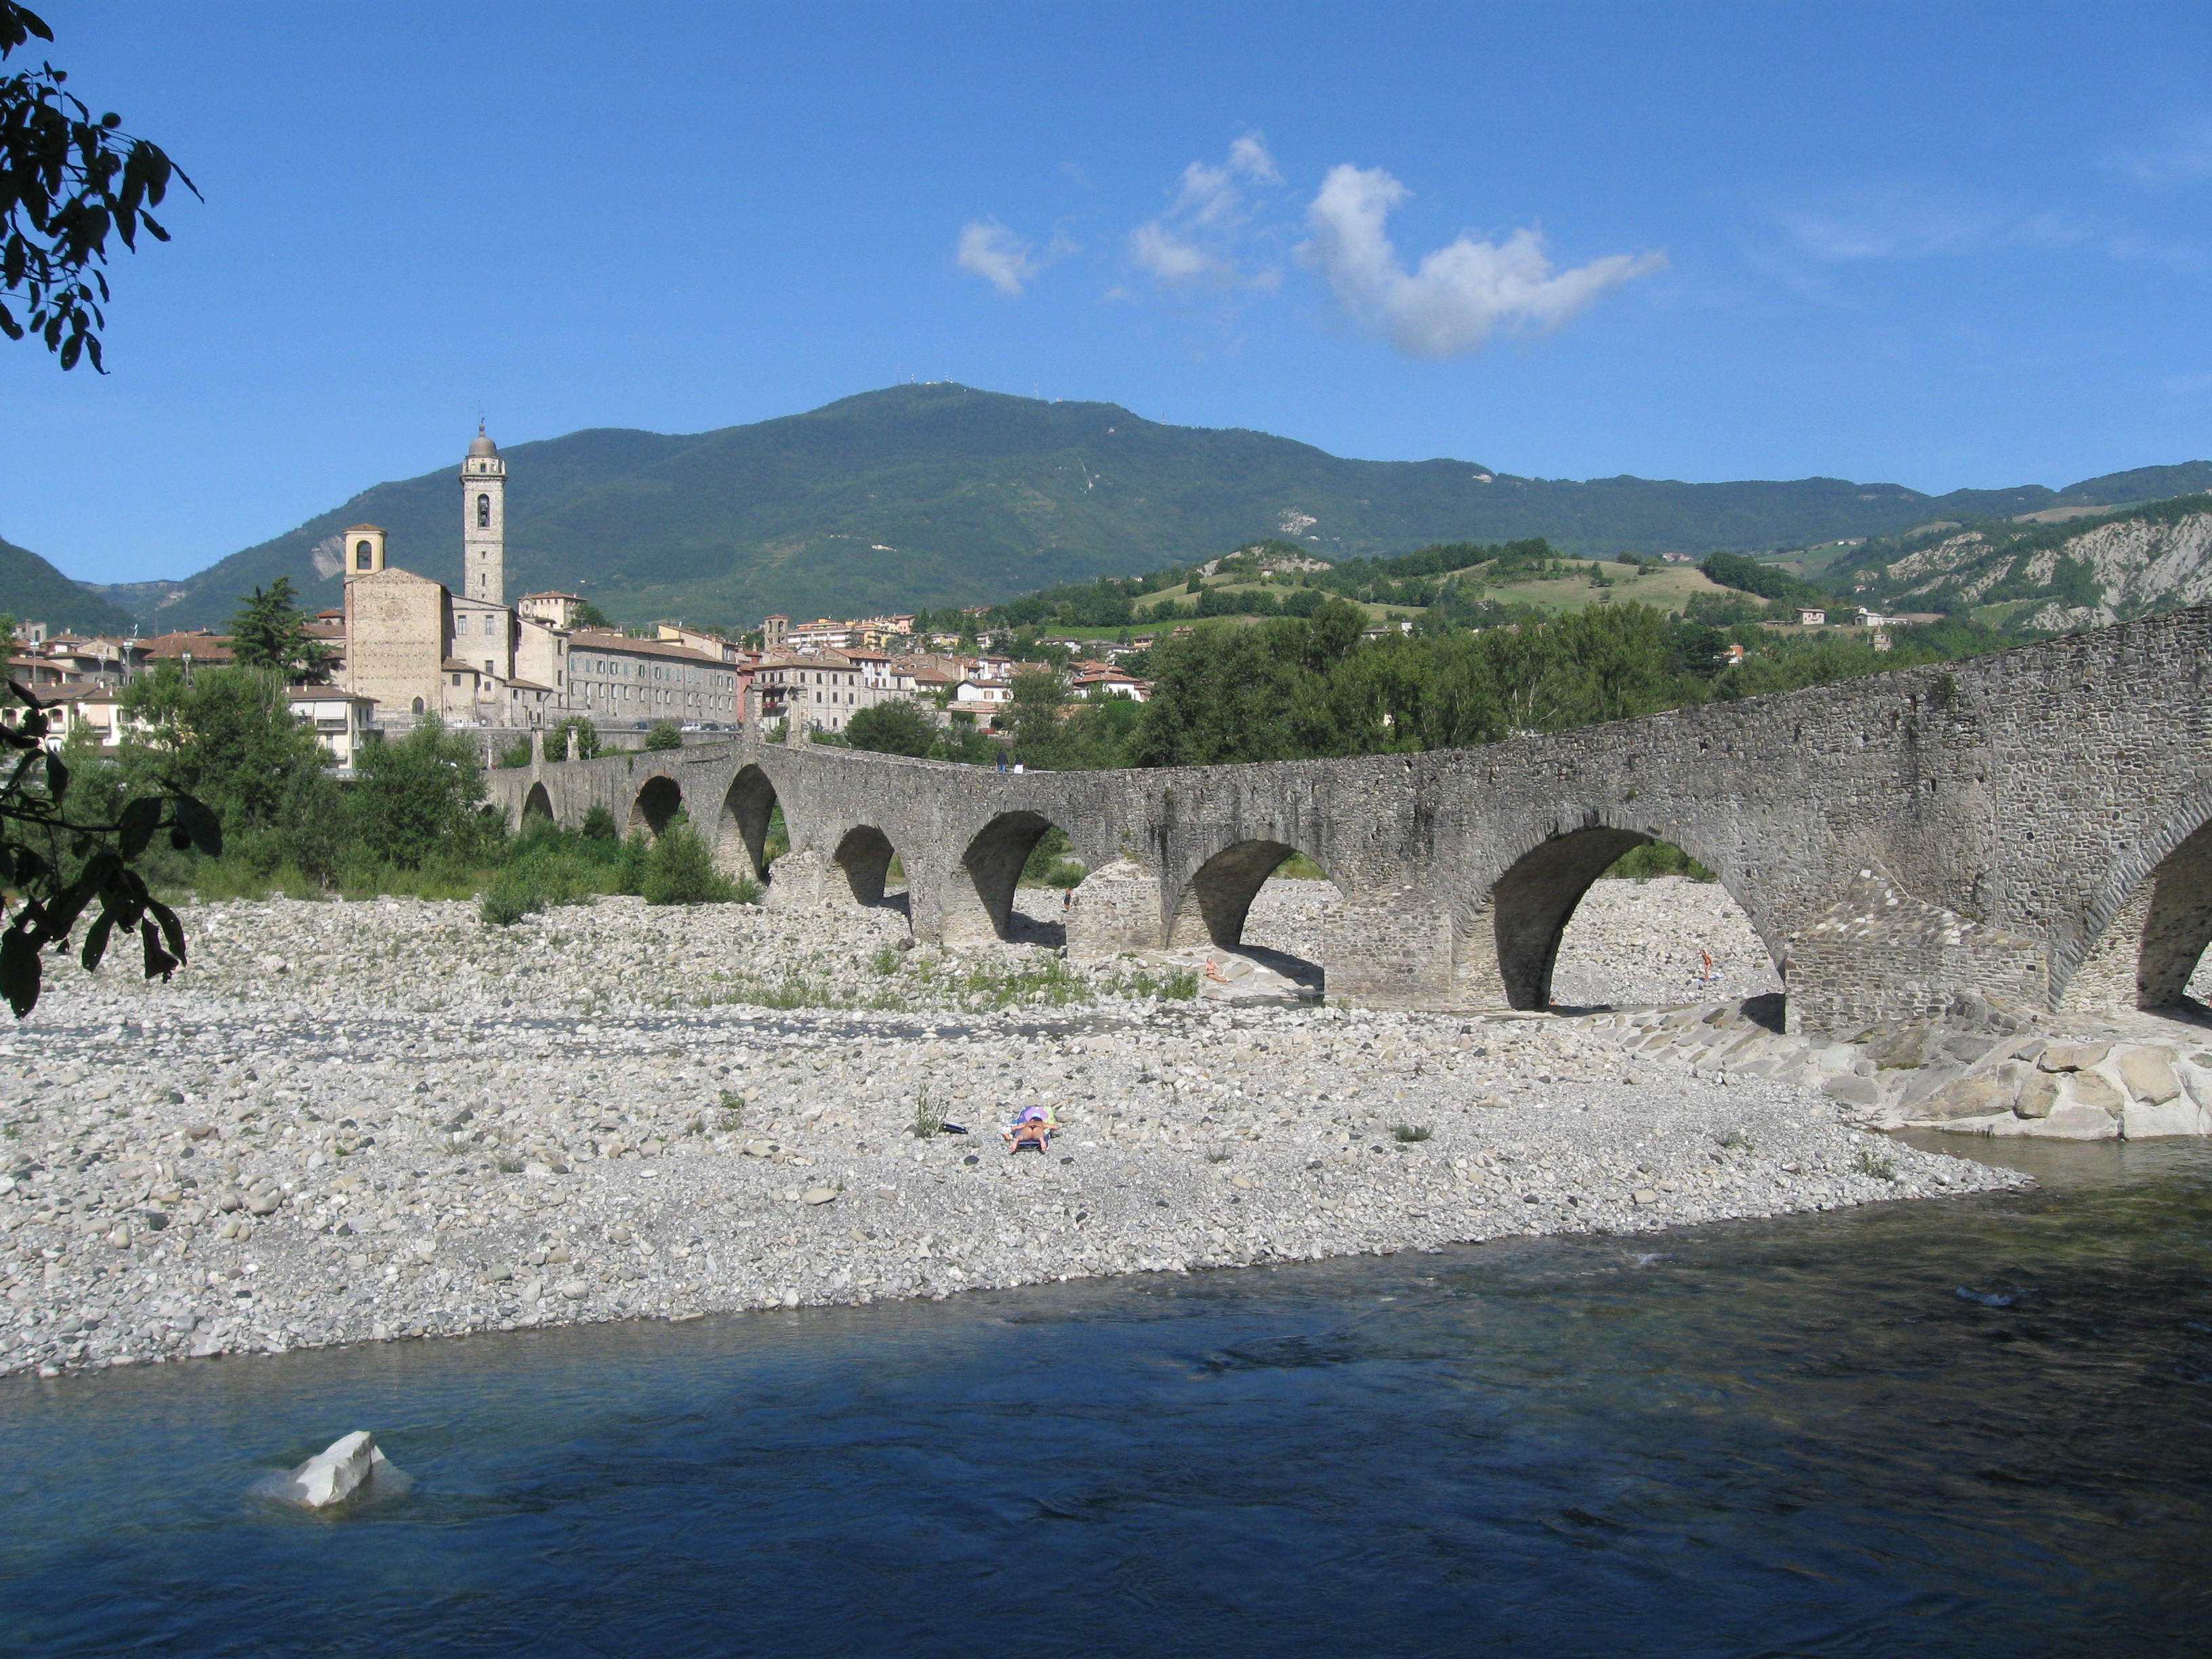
<point>360,1122</point>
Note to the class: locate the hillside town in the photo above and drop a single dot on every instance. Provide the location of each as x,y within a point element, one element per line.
<point>405,648</point>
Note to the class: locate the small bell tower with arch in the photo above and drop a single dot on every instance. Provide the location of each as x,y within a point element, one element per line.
<point>483,521</point>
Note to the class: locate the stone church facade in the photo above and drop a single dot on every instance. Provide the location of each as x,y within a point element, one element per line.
<point>472,660</point>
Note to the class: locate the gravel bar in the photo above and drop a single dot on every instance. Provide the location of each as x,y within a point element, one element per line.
<point>364,1121</point>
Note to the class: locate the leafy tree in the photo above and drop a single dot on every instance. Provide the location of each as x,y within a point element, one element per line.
<point>418,796</point>
<point>577,733</point>
<point>67,181</point>
<point>1037,701</point>
<point>270,631</point>
<point>959,740</point>
<point>1749,576</point>
<point>598,824</point>
<point>226,734</point>
<point>665,734</point>
<point>892,728</point>
<point>9,645</point>
<point>590,616</point>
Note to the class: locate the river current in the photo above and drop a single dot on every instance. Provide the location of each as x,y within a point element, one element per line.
<point>1973,1426</point>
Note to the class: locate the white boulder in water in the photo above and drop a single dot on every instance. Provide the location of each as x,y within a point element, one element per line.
<point>346,1467</point>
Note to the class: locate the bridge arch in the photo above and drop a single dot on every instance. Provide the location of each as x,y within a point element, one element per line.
<point>2150,924</point>
<point>1216,903</point>
<point>538,801</point>
<point>748,809</point>
<point>864,854</point>
<point>1507,946</point>
<point>979,897</point>
<point>659,798</point>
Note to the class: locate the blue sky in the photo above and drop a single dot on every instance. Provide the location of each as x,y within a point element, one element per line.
<point>1939,246</point>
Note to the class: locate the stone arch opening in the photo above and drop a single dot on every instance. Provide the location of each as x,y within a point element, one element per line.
<point>2152,954</point>
<point>866,856</point>
<point>751,816</point>
<point>1262,899</point>
<point>538,801</point>
<point>1000,870</point>
<point>656,805</point>
<point>1555,931</point>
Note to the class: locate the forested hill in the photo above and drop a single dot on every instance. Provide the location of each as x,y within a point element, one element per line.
<point>940,494</point>
<point>32,590</point>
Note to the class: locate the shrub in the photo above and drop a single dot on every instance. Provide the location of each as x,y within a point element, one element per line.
<point>665,735</point>
<point>679,869</point>
<point>509,899</point>
<point>630,864</point>
<point>1657,858</point>
<point>518,756</point>
<point>599,825</point>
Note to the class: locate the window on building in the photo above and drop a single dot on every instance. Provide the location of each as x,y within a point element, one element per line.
<point>418,701</point>
<point>483,513</point>
<point>364,556</point>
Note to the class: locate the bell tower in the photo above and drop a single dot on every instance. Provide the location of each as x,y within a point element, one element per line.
<point>483,521</point>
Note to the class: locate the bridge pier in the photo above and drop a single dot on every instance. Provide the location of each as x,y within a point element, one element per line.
<point>1389,948</point>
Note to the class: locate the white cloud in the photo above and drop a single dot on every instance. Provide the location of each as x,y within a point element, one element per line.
<point>1905,223</point>
<point>1200,239</point>
<point>1249,155</point>
<point>2183,159</point>
<point>1457,296</point>
<point>989,250</point>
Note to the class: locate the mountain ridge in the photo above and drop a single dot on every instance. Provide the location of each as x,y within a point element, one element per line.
<point>936,494</point>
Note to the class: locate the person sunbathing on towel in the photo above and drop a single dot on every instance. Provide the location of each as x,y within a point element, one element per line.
<point>1032,1127</point>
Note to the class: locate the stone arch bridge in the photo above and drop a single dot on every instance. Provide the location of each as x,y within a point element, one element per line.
<point>2032,829</point>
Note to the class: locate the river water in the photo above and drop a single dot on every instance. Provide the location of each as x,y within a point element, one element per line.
<point>1973,1426</point>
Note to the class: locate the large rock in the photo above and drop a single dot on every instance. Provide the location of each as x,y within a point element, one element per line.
<point>1975,1095</point>
<point>2139,1121</point>
<point>1228,978</point>
<point>2149,1075</point>
<point>346,1467</point>
<point>2072,1056</point>
<point>2093,1089</point>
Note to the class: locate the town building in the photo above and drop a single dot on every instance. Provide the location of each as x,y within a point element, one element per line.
<point>620,681</point>
<point>417,649</point>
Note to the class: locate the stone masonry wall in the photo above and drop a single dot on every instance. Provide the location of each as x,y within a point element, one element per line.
<point>2025,796</point>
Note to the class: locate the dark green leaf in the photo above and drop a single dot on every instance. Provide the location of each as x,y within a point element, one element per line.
<point>57,778</point>
<point>95,939</point>
<point>159,962</point>
<point>202,825</point>
<point>141,818</point>
<point>172,929</point>
<point>19,971</point>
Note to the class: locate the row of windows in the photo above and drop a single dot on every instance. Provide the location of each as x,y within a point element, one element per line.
<point>679,671</point>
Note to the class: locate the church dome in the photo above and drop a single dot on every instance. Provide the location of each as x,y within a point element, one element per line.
<point>482,445</point>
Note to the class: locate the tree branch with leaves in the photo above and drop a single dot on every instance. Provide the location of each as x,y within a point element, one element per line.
<point>54,869</point>
<point>67,181</point>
